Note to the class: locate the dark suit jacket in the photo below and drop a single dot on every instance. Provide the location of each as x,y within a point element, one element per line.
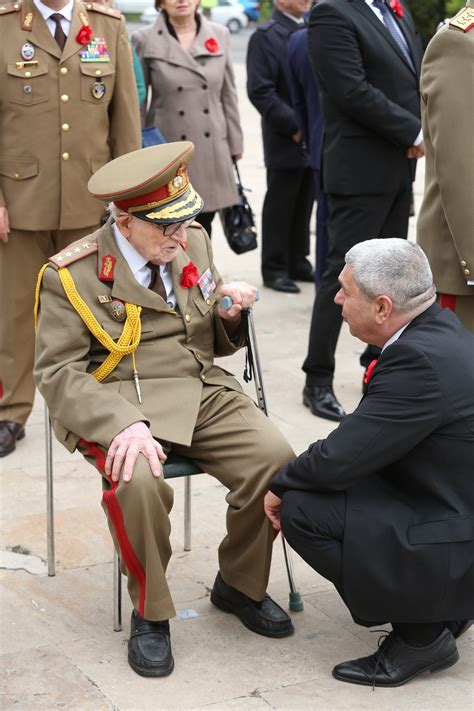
<point>305,95</point>
<point>370,97</point>
<point>405,459</point>
<point>269,91</point>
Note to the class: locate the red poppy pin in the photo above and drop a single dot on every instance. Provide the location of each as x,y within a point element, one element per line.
<point>397,7</point>
<point>211,45</point>
<point>369,371</point>
<point>189,276</point>
<point>84,35</point>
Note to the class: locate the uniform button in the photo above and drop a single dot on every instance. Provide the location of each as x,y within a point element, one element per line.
<point>189,339</point>
<point>181,113</point>
<point>467,272</point>
<point>463,263</point>
<point>17,175</point>
<point>98,72</point>
<point>204,86</point>
<point>187,318</point>
<point>180,88</point>
<point>27,75</point>
<point>207,134</point>
<point>183,138</point>
<point>208,302</point>
<point>64,98</point>
<point>65,156</point>
<point>16,6</point>
<point>63,71</point>
<point>206,111</point>
<point>65,127</point>
<point>203,377</point>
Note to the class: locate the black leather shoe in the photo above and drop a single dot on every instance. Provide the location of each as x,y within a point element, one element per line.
<point>265,617</point>
<point>395,662</point>
<point>322,402</point>
<point>149,647</point>
<point>303,275</point>
<point>9,433</point>
<point>282,283</point>
<point>458,627</point>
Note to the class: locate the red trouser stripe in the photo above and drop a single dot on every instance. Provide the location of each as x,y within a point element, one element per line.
<point>448,301</point>
<point>115,512</point>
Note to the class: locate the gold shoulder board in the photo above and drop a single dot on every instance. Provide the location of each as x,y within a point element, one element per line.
<point>74,252</point>
<point>110,11</point>
<point>7,7</point>
<point>464,20</point>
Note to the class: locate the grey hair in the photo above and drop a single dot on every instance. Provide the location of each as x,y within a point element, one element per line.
<point>394,267</point>
<point>115,211</point>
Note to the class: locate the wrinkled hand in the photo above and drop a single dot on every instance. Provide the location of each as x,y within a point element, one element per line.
<point>243,296</point>
<point>4,224</point>
<point>127,445</point>
<point>416,151</point>
<point>272,505</point>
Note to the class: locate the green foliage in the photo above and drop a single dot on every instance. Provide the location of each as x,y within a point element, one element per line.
<point>266,8</point>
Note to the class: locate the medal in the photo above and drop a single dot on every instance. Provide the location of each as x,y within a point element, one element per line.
<point>27,51</point>
<point>98,89</point>
<point>116,310</point>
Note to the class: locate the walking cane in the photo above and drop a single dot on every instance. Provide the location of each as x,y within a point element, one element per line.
<point>253,371</point>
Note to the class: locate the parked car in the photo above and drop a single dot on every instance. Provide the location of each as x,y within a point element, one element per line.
<point>252,9</point>
<point>230,13</point>
<point>132,6</point>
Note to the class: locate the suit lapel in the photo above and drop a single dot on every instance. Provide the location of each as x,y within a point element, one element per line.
<point>409,38</point>
<point>72,47</point>
<point>182,295</point>
<point>168,49</point>
<point>40,36</point>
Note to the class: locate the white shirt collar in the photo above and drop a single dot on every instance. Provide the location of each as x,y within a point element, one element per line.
<point>395,336</point>
<point>298,20</point>
<point>46,11</point>
<point>133,258</point>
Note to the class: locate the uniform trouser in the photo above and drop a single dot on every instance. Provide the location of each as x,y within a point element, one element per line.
<point>20,261</point>
<point>286,215</point>
<point>238,445</point>
<point>352,219</point>
<point>463,307</point>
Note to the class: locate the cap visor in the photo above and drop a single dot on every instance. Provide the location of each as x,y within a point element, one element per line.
<point>183,208</point>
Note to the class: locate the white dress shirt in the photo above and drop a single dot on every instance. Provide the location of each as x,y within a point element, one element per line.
<point>46,12</point>
<point>139,268</point>
<point>395,336</point>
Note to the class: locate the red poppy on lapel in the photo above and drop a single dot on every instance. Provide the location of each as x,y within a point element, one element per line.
<point>211,45</point>
<point>369,371</point>
<point>189,276</point>
<point>84,35</point>
<point>397,7</point>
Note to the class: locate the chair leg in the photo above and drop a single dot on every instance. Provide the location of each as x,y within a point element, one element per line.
<point>49,493</point>
<point>117,574</point>
<point>295,602</point>
<point>187,513</point>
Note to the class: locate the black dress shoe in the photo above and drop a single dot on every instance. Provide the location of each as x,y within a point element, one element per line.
<point>149,647</point>
<point>303,275</point>
<point>265,617</point>
<point>9,433</point>
<point>395,662</point>
<point>282,283</point>
<point>322,402</point>
<point>458,627</point>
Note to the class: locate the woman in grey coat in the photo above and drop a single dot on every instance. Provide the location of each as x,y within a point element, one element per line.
<point>186,62</point>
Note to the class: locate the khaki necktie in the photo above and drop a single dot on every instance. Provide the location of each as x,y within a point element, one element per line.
<point>156,283</point>
<point>59,35</point>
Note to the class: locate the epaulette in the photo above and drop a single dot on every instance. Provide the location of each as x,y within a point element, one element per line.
<point>266,25</point>
<point>7,7</point>
<point>464,20</point>
<point>73,252</point>
<point>97,7</point>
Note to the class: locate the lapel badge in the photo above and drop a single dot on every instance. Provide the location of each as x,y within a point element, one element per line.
<point>116,309</point>
<point>104,299</point>
<point>98,89</point>
<point>108,266</point>
<point>27,89</point>
<point>27,22</point>
<point>27,51</point>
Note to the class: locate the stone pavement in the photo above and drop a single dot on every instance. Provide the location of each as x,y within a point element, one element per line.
<point>58,648</point>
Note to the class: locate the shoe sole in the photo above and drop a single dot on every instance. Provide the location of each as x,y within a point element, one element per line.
<point>224,606</point>
<point>20,435</point>
<point>333,418</point>
<point>439,666</point>
<point>145,671</point>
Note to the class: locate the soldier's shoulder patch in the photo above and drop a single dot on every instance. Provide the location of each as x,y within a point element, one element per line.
<point>110,11</point>
<point>464,20</point>
<point>74,252</point>
<point>7,7</point>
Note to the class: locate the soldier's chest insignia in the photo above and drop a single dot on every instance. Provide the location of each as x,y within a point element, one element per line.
<point>27,51</point>
<point>98,89</point>
<point>95,51</point>
<point>116,309</point>
<point>107,268</point>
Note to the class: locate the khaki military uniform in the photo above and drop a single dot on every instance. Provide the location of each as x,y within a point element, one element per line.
<point>191,405</point>
<point>445,228</point>
<point>63,115</point>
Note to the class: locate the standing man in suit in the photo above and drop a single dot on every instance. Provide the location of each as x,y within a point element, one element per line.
<point>305,98</point>
<point>445,227</point>
<point>384,506</point>
<point>366,57</point>
<point>68,105</point>
<point>289,199</point>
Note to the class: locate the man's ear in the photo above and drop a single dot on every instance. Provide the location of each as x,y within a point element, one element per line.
<point>383,308</point>
<point>123,223</point>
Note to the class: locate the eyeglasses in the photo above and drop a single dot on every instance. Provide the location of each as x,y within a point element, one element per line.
<point>171,229</point>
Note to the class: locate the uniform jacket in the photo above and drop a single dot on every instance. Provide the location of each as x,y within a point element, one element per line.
<point>369,94</point>
<point>53,133</point>
<point>174,359</point>
<point>404,458</point>
<point>194,98</point>
<point>445,227</point>
<point>268,88</point>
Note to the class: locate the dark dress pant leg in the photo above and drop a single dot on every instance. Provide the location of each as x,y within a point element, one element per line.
<point>299,229</point>
<point>322,236</point>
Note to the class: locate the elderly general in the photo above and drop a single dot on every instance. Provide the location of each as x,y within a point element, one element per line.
<point>128,325</point>
<point>384,506</point>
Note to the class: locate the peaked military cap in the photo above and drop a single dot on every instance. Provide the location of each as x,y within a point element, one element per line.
<point>151,183</point>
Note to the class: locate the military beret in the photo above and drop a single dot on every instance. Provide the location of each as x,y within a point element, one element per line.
<point>151,183</point>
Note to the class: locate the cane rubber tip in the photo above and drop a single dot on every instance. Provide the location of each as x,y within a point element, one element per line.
<point>296,604</point>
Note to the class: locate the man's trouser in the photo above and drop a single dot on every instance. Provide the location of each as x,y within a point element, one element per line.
<point>238,445</point>
<point>20,261</point>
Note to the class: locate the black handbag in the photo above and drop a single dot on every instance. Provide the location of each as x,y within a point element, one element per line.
<point>238,223</point>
